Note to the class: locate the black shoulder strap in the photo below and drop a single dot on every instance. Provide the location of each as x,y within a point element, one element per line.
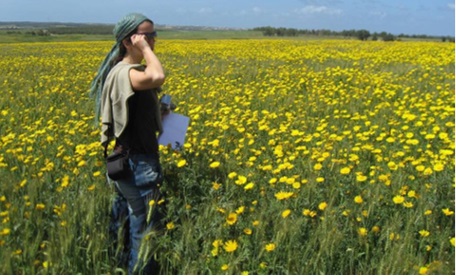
<point>106,150</point>
<point>106,145</point>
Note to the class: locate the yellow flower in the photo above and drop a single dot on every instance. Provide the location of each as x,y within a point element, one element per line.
<point>362,231</point>
<point>231,219</point>
<point>394,236</point>
<point>452,241</point>
<point>224,267</point>
<point>214,252</point>
<point>296,185</point>
<point>358,199</point>
<point>438,167</point>
<point>216,186</point>
<point>241,180</point>
<point>40,206</point>
<point>170,225</point>
<point>393,166</point>
<point>345,170</point>
<point>412,194</point>
<point>408,204</point>
<point>240,210</point>
<point>217,243</point>
<point>424,233</point>
<point>361,178</point>
<point>286,213</point>
<point>97,173</point>
<point>23,182</point>
<point>91,187</point>
<point>249,186</point>
<point>398,199</point>
<point>309,213</point>
<point>230,246</point>
<point>375,229</point>
<point>270,247</point>
<point>283,195</point>
<point>423,270</point>
<point>181,163</point>
<point>232,175</point>
<point>214,165</point>
<point>428,171</point>
<point>5,232</point>
<point>322,206</point>
<point>443,135</point>
<point>247,231</point>
<point>17,252</point>
<point>318,166</point>
<point>447,212</point>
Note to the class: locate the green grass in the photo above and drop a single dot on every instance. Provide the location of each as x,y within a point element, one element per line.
<point>167,34</point>
<point>163,34</point>
<point>360,133</point>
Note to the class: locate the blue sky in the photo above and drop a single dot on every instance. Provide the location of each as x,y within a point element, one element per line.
<point>430,17</point>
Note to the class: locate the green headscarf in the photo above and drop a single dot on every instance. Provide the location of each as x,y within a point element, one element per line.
<point>122,29</point>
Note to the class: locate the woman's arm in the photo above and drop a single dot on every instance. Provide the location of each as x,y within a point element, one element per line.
<point>153,76</point>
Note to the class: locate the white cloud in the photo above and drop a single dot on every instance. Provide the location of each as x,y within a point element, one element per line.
<point>257,10</point>
<point>250,12</point>
<point>379,14</point>
<point>181,10</point>
<point>205,10</point>
<point>242,13</point>
<point>311,9</point>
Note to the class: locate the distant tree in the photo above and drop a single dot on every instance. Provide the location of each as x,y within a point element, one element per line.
<point>374,36</point>
<point>269,31</point>
<point>347,33</point>
<point>362,34</point>
<point>292,32</point>
<point>388,37</point>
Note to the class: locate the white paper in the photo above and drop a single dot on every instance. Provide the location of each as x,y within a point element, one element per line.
<point>174,130</point>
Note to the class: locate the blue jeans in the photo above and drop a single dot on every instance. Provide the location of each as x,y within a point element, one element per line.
<point>138,190</point>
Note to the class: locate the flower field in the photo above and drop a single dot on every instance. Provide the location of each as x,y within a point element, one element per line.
<point>302,157</point>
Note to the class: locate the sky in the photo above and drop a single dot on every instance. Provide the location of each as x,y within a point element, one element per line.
<point>429,17</point>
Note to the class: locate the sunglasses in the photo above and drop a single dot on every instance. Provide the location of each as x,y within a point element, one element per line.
<point>149,35</point>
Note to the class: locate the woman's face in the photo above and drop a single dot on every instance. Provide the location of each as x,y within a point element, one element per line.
<point>147,28</point>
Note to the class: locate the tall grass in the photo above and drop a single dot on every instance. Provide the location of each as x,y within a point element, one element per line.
<point>302,157</point>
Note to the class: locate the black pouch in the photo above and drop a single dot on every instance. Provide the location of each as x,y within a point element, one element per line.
<point>118,166</point>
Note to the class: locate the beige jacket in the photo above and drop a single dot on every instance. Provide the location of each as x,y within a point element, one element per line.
<point>114,101</point>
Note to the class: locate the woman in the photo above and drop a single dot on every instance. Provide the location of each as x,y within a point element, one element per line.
<point>127,99</point>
